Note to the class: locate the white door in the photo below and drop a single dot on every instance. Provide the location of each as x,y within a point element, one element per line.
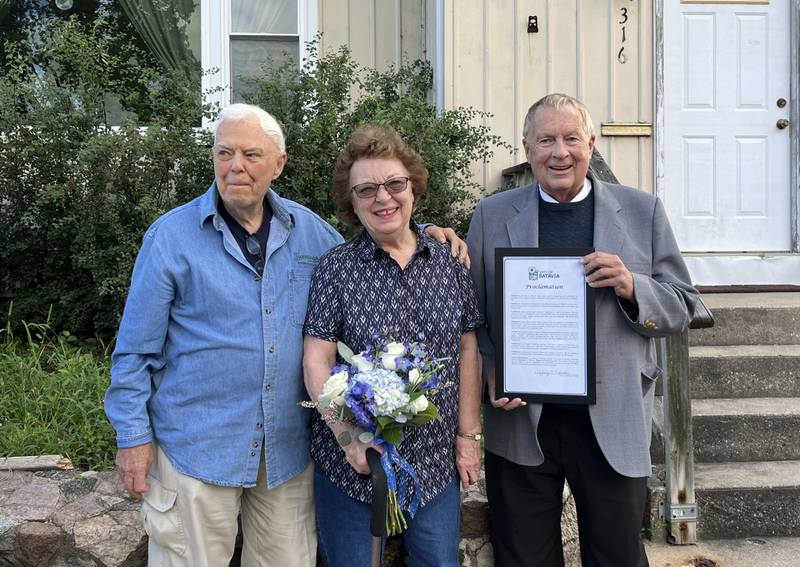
<point>727,142</point>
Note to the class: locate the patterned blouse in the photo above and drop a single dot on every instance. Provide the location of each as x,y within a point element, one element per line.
<point>358,289</point>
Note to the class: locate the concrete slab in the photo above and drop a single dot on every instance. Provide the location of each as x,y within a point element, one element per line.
<point>738,351</point>
<point>752,319</point>
<point>746,429</point>
<point>765,474</point>
<point>750,552</point>
<point>746,406</point>
<point>771,299</point>
<point>762,371</point>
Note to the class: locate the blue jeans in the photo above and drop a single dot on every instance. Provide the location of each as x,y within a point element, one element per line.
<point>431,537</point>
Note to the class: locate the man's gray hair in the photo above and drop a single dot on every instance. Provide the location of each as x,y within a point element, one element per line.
<point>558,101</point>
<point>241,111</point>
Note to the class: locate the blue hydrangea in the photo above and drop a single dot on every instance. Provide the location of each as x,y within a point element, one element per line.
<point>388,388</point>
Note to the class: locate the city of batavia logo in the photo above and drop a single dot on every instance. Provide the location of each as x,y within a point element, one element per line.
<point>535,275</point>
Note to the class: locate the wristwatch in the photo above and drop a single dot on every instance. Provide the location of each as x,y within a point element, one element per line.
<point>472,436</point>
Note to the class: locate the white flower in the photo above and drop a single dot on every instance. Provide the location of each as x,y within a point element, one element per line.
<point>418,405</point>
<point>390,353</point>
<point>333,390</point>
<point>414,376</point>
<point>361,363</point>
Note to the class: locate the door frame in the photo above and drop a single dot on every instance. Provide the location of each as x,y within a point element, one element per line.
<point>784,267</point>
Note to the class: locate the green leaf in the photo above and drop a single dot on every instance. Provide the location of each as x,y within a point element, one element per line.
<point>344,351</point>
<point>393,435</point>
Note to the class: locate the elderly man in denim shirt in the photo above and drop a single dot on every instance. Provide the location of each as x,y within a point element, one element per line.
<point>207,370</point>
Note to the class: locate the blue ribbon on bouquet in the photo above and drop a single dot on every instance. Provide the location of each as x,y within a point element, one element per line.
<point>405,482</point>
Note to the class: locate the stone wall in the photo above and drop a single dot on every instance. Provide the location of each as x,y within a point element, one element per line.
<point>84,519</point>
<point>68,519</point>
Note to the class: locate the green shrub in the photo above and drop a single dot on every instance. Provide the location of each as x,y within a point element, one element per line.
<point>51,398</point>
<point>77,195</point>
<point>320,104</point>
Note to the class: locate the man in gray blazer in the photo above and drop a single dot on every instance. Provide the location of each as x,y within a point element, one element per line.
<point>642,291</point>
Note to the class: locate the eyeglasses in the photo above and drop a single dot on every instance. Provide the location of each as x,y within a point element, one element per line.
<point>254,248</point>
<point>369,190</point>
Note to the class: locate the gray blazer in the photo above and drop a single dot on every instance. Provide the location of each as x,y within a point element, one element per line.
<point>633,225</point>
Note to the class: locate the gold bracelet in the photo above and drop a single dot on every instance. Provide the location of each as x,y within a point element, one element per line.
<point>472,436</point>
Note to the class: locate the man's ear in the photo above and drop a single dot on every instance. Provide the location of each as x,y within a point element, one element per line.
<point>281,163</point>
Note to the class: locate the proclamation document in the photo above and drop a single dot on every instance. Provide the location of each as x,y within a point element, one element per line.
<point>546,315</point>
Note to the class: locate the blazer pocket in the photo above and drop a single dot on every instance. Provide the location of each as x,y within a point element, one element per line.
<point>650,375</point>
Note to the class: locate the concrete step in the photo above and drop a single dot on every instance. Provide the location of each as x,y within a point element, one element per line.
<point>744,552</point>
<point>746,500</point>
<point>746,429</point>
<point>744,370</point>
<point>751,319</point>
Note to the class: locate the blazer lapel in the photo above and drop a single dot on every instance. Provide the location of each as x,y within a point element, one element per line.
<point>609,225</point>
<point>523,228</point>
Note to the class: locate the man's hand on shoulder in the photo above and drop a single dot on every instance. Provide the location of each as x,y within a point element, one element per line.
<point>132,465</point>
<point>458,247</point>
<point>607,270</point>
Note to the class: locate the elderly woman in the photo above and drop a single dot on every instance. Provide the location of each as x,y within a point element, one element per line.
<point>392,276</point>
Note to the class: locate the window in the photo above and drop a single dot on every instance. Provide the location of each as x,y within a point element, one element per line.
<point>244,34</point>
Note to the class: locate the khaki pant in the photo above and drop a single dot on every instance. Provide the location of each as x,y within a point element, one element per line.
<point>191,523</point>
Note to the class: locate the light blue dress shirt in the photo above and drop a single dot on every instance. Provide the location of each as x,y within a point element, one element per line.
<point>208,362</point>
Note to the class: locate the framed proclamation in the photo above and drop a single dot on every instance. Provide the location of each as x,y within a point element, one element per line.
<point>544,340</point>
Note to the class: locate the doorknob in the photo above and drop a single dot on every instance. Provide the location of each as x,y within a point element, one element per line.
<point>782,123</point>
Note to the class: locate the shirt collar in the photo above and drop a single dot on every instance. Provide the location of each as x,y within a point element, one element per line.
<point>209,208</point>
<point>582,194</point>
<point>367,249</point>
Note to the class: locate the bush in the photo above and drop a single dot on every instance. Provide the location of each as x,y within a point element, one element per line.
<point>320,104</point>
<point>51,398</point>
<point>77,195</point>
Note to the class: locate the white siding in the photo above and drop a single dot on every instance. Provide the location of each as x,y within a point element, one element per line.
<point>494,64</point>
<point>379,33</point>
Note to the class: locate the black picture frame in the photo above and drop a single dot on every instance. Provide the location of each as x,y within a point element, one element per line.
<point>501,391</point>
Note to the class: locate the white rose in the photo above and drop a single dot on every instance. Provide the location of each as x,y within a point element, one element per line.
<point>333,390</point>
<point>362,363</point>
<point>418,405</point>
<point>414,376</point>
<point>390,353</point>
<point>394,348</point>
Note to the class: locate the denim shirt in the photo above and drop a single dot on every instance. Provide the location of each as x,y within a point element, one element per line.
<point>208,362</point>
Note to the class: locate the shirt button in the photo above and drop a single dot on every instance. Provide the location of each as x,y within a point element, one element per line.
<point>268,311</point>
<point>255,444</point>
<point>259,426</point>
<point>272,348</point>
<point>252,453</point>
<point>268,387</point>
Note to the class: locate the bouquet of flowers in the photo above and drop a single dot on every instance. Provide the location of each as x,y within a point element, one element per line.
<point>382,390</point>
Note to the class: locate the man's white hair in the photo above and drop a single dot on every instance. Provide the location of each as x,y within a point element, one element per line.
<point>241,111</point>
<point>558,101</point>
